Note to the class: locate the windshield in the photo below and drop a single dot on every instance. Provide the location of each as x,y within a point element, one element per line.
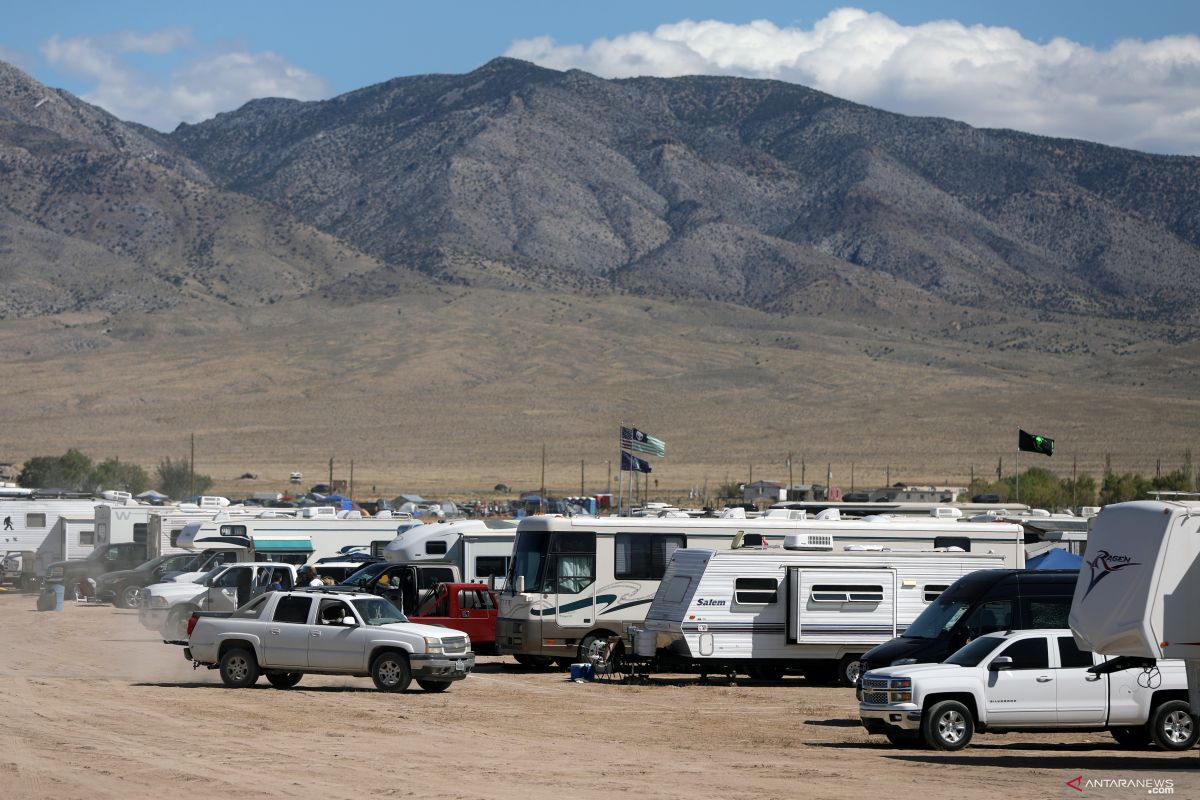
<point>377,611</point>
<point>365,575</point>
<point>975,652</point>
<point>938,618</point>
<point>528,559</point>
<point>206,578</point>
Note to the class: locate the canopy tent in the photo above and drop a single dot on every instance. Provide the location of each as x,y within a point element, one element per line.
<point>1055,558</point>
<point>151,496</point>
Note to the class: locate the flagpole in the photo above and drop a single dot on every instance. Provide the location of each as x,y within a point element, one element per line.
<point>1017,464</point>
<point>620,483</point>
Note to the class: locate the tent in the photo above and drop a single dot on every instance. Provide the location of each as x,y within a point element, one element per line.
<point>1055,558</point>
<point>152,496</point>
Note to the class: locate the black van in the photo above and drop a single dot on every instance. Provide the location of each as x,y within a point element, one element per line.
<point>981,602</point>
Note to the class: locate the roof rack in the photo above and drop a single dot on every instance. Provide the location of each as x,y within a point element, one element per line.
<point>327,590</point>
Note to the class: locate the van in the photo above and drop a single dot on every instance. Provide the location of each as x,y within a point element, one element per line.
<point>979,603</point>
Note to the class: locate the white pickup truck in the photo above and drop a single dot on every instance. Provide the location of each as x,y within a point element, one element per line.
<point>165,607</point>
<point>1026,681</point>
<point>335,632</point>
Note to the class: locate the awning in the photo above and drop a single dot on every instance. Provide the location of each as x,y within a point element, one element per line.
<point>291,545</point>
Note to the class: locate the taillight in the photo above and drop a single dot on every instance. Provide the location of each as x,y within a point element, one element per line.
<point>192,620</point>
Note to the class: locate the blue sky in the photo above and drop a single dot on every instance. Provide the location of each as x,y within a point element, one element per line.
<point>161,62</point>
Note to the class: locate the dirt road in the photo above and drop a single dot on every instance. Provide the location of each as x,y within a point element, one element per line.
<point>94,706</point>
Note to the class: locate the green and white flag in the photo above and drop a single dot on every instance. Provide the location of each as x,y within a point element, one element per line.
<point>640,442</point>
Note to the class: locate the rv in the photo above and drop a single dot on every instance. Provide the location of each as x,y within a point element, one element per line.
<point>73,536</point>
<point>764,611</point>
<point>297,536</point>
<point>480,550</point>
<point>26,521</point>
<point>1139,588</point>
<point>575,581</point>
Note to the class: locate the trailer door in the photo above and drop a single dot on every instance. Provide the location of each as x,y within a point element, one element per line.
<point>841,606</point>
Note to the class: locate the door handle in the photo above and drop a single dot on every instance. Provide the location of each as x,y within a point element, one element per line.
<point>316,633</point>
<point>1092,678</point>
<point>1044,679</point>
<point>274,631</point>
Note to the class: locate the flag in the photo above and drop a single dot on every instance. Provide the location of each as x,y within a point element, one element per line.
<point>1032,443</point>
<point>631,463</point>
<point>641,442</point>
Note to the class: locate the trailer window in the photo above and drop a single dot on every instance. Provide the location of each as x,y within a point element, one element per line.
<point>934,590</point>
<point>847,593</point>
<point>435,548</point>
<point>233,530</point>
<point>175,537</point>
<point>644,557</point>
<point>87,538</point>
<point>755,591</point>
<point>487,566</point>
<point>35,520</point>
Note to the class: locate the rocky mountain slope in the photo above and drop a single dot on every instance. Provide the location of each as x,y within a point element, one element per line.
<point>759,192</point>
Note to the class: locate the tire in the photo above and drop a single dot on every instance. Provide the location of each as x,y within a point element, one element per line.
<point>284,680</point>
<point>591,649</point>
<point>848,671</point>
<point>947,725</point>
<point>433,686</point>
<point>239,669</point>
<point>1131,737</point>
<point>1172,727</point>
<point>390,672</point>
<point>126,596</point>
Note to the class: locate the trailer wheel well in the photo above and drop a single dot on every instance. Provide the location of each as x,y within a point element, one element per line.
<point>966,698</point>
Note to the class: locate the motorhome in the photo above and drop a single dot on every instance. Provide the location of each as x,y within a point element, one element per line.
<point>481,551</point>
<point>136,522</point>
<point>578,580</point>
<point>764,611</point>
<point>1139,588</point>
<point>295,537</point>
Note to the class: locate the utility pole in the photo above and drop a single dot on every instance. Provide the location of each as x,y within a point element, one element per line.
<point>789,489</point>
<point>581,477</point>
<point>1074,480</point>
<point>609,463</point>
<point>351,493</point>
<point>802,469</point>
<point>192,469</point>
<point>889,476</point>
<point>331,474</point>
<point>542,492</point>
<point>852,476</point>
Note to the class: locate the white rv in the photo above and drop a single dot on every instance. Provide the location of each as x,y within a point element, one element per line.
<point>481,551</point>
<point>764,611</point>
<point>27,521</point>
<point>73,536</point>
<point>295,536</point>
<point>575,581</point>
<point>1139,587</point>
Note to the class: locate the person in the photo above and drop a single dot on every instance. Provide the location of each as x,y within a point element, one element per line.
<point>328,580</point>
<point>310,577</point>
<point>276,584</point>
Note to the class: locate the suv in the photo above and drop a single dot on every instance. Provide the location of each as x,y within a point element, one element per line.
<point>121,587</point>
<point>287,634</point>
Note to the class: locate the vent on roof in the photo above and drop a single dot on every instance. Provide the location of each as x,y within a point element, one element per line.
<point>808,541</point>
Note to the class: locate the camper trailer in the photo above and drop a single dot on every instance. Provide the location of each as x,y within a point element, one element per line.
<point>764,611</point>
<point>575,581</point>
<point>481,551</point>
<point>1139,588</point>
<point>27,522</point>
<point>73,536</point>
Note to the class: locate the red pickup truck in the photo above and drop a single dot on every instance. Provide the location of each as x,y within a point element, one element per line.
<point>467,607</point>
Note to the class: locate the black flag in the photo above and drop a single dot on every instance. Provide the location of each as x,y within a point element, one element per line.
<point>1032,443</point>
<point>632,463</point>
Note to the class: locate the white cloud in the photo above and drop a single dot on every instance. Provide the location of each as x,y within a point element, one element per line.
<point>1138,94</point>
<point>205,85</point>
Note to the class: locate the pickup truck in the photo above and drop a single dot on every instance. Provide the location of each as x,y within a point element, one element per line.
<point>467,607</point>
<point>288,634</point>
<point>165,607</point>
<point>1026,681</point>
<point>104,559</point>
<point>121,588</point>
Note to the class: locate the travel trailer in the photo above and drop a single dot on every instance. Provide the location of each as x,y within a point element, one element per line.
<point>764,611</point>
<point>575,581</point>
<point>1139,588</point>
<point>27,522</point>
<point>481,551</point>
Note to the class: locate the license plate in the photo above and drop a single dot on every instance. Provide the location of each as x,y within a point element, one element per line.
<point>460,666</point>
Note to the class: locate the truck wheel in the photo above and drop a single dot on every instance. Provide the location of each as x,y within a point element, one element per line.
<point>848,670</point>
<point>284,680</point>
<point>127,597</point>
<point>1131,737</point>
<point>390,672</point>
<point>238,668</point>
<point>1172,727</point>
<point>433,686</point>
<point>947,725</point>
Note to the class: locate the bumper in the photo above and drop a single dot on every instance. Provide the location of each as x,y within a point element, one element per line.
<point>880,719</point>
<point>152,618</point>
<point>442,668</point>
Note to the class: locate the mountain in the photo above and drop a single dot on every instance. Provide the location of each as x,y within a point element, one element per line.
<point>717,188</point>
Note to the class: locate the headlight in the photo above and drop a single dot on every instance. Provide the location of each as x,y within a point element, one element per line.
<point>433,645</point>
<point>901,697</point>
<point>902,662</point>
<point>468,638</point>
<point>900,683</point>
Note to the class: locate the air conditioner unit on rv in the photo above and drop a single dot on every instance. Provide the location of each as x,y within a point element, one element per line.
<point>808,541</point>
<point>942,512</point>
<point>209,501</point>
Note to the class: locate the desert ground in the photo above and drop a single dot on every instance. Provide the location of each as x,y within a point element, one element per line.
<point>95,706</point>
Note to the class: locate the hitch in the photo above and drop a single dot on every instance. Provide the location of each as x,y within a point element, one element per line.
<point>1122,662</point>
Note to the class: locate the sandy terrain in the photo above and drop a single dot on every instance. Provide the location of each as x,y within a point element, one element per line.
<point>94,706</point>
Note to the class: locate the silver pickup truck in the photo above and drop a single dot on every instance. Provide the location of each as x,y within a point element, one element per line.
<point>334,632</point>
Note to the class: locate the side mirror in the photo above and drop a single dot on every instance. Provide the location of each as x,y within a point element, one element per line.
<point>349,622</point>
<point>1001,663</point>
<point>520,584</point>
